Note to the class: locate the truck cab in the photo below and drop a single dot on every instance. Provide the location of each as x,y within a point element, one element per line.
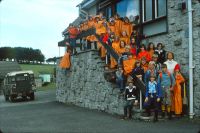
<point>19,84</point>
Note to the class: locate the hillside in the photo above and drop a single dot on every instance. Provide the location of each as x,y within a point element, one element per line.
<point>38,68</point>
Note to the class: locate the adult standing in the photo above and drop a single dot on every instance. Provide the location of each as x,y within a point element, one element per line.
<point>170,62</point>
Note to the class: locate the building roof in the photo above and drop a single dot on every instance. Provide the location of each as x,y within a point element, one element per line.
<point>86,4</point>
<point>8,66</point>
<point>19,72</point>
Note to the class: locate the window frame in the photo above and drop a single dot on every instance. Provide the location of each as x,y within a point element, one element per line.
<point>155,18</point>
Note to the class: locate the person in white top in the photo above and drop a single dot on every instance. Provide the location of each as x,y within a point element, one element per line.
<point>170,62</point>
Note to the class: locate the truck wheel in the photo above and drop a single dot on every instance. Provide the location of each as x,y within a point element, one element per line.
<point>32,96</point>
<point>6,98</point>
<point>24,97</point>
<point>12,98</point>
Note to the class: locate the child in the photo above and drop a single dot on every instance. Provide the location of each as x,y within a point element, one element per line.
<point>177,91</point>
<point>131,97</point>
<point>157,64</point>
<point>138,71</point>
<point>153,94</point>
<point>144,64</point>
<point>120,78</point>
<point>166,81</point>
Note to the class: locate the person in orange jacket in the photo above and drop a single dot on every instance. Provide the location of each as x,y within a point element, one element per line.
<point>143,53</point>
<point>116,47</point>
<point>129,64</point>
<point>125,38</point>
<point>121,49</point>
<point>177,91</point>
<point>118,25</point>
<point>151,49</point>
<point>127,26</point>
<point>90,22</point>
<point>65,62</point>
<point>111,25</point>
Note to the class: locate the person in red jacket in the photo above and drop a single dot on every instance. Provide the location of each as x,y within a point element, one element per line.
<point>143,53</point>
<point>73,32</point>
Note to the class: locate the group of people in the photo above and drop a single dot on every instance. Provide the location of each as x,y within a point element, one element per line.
<point>152,65</point>
<point>163,81</point>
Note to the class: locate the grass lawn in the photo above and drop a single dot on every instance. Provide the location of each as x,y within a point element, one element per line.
<point>38,68</point>
<point>41,68</point>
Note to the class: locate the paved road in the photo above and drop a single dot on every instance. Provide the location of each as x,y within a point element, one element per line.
<point>45,115</point>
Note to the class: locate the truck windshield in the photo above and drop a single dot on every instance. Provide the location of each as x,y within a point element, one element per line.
<point>22,78</point>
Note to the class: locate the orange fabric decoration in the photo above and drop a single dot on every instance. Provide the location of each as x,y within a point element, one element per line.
<point>65,62</point>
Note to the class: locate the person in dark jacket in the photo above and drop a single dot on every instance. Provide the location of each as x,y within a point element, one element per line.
<point>138,71</point>
<point>131,97</point>
<point>161,53</point>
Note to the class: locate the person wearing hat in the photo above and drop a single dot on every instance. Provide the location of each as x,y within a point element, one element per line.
<point>152,97</point>
<point>131,97</point>
<point>177,91</point>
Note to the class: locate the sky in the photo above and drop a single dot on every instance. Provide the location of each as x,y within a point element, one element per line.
<point>36,23</point>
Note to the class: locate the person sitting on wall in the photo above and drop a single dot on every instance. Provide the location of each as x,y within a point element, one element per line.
<point>65,62</point>
<point>131,97</point>
<point>73,32</point>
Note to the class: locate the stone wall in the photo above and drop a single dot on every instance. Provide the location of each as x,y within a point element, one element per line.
<point>176,40</point>
<point>85,85</point>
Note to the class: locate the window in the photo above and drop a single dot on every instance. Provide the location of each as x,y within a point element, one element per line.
<point>148,10</point>
<point>128,8</point>
<point>161,8</point>
<point>153,9</point>
<point>154,15</point>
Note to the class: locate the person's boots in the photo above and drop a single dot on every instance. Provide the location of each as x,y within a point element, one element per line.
<point>169,115</point>
<point>163,114</point>
<point>155,116</point>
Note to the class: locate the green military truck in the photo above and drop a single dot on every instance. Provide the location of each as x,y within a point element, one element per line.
<point>19,84</point>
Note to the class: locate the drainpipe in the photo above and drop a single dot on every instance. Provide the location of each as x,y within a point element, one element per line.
<point>191,67</point>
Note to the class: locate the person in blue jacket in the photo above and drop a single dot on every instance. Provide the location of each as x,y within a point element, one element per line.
<point>152,97</point>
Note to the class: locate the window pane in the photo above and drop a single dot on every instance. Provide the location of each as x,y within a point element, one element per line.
<point>109,12</point>
<point>128,8</point>
<point>148,10</point>
<point>161,7</point>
